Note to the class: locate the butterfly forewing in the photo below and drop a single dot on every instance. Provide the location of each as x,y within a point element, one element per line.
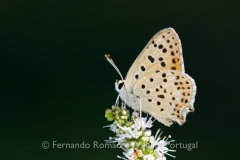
<point>163,52</point>
<point>166,95</point>
<point>157,80</point>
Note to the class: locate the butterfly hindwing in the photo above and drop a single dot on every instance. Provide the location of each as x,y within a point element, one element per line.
<point>166,95</point>
<point>163,52</point>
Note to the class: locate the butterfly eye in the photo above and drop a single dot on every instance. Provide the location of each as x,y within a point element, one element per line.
<point>120,85</point>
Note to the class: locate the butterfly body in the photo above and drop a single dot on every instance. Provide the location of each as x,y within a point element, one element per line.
<point>128,96</point>
<point>157,80</point>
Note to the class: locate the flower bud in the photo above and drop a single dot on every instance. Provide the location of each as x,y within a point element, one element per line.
<point>147,138</point>
<point>108,111</point>
<point>113,107</point>
<point>124,112</point>
<point>147,133</point>
<point>132,144</point>
<point>143,138</point>
<point>126,145</point>
<point>117,117</point>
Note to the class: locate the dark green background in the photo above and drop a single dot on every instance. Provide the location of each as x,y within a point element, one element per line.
<point>56,83</point>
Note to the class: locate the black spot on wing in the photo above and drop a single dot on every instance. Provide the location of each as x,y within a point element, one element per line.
<point>151,59</point>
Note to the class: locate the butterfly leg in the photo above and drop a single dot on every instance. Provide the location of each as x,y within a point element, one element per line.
<point>117,100</point>
<point>140,104</point>
<point>125,103</point>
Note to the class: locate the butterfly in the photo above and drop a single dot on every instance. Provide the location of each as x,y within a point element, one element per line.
<point>157,82</point>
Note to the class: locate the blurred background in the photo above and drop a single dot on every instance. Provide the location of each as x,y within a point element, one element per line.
<point>56,83</point>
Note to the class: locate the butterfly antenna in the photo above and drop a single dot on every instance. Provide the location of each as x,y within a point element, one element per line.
<point>113,64</point>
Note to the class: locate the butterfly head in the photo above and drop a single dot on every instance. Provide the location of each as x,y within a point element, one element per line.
<point>119,86</point>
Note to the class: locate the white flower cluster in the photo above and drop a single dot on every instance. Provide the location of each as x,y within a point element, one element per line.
<point>134,136</point>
